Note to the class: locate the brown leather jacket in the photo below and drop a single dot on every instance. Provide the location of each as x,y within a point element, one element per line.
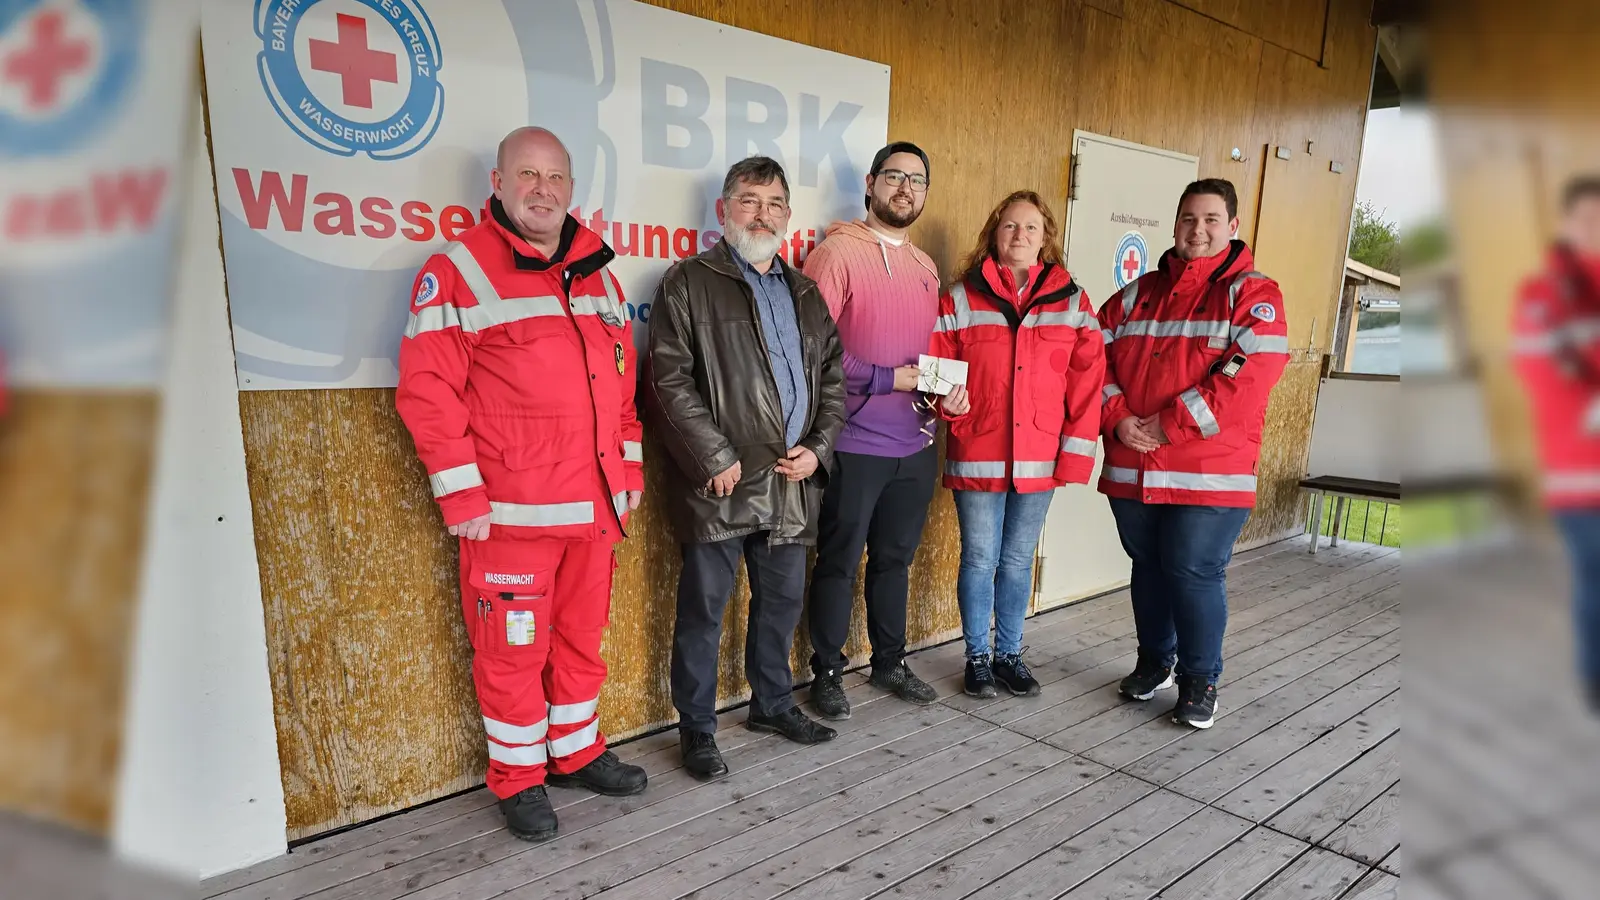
<point>712,401</point>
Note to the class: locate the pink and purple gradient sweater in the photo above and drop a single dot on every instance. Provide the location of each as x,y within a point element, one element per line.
<point>885,299</point>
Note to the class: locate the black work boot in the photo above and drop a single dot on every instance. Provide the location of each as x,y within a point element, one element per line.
<point>903,683</point>
<point>1149,675</point>
<point>605,774</point>
<point>792,724</point>
<point>1012,672</point>
<point>701,758</point>
<point>827,695</point>
<point>529,815</point>
<point>979,678</point>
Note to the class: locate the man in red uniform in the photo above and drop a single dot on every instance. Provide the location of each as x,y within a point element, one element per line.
<point>517,382</point>
<point>1193,349</point>
<point>1557,329</point>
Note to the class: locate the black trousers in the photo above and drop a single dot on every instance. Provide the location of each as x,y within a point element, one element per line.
<point>878,503</point>
<point>777,584</point>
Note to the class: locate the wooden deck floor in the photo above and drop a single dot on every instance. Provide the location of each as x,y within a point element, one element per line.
<point>1502,796</point>
<point>1294,792</point>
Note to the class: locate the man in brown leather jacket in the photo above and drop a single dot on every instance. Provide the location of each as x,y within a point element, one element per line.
<point>745,383</point>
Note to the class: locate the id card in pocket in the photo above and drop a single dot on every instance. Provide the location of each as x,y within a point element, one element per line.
<point>520,629</point>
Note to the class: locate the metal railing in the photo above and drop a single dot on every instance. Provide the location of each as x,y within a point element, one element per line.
<point>1362,520</point>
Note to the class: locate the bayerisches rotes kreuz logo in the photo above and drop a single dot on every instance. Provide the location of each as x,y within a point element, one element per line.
<point>64,66</point>
<point>1132,258</point>
<point>352,76</point>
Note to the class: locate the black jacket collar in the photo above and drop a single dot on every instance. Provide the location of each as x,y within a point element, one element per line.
<point>581,267</point>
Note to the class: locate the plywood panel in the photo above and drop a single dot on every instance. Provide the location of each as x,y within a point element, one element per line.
<point>74,477</point>
<point>373,697</point>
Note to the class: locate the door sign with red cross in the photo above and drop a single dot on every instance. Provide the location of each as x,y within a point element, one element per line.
<point>352,76</point>
<point>1132,258</point>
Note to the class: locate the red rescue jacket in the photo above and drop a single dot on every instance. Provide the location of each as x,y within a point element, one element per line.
<point>1557,329</point>
<point>1202,343</point>
<point>517,378</point>
<point>1035,365</point>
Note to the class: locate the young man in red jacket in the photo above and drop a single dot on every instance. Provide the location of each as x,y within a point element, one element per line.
<point>1557,327</point>
<point>517,382</point>
<point>1193,349</point>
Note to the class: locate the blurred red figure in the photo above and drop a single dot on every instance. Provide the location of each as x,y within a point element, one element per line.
<point>1557,327</point>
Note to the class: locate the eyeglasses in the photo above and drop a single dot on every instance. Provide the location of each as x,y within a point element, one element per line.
<point>751,203</point>
<point>895,178</point>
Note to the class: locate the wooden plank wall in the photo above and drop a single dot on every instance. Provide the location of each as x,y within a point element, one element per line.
<point>369,662</point>
<point>75,469</point>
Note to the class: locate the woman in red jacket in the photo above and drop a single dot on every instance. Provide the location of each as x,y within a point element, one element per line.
<point>1025,424</point>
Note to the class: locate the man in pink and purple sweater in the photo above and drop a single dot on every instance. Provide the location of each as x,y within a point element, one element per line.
<point>884,295</point>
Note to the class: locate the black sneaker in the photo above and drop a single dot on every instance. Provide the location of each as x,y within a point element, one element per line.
<point>904,683</point>
<point>1012,672</point>
<point>1149,675</point>
<point>827,695</point>
<point>605,774</point>
<point>792,724</point>
<point>980,678</point>
<point>529,815</point>
<point>1197,702</point>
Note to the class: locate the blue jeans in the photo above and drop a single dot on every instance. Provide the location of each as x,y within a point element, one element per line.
<point>1180,595</point>
<point>999,533</point>
<point>1581,528</point>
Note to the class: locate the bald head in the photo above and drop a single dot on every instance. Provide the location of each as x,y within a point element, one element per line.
<point>526,135</point>
<point>533,180</point>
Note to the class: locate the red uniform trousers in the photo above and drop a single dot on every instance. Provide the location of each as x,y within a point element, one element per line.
<point>535,612</point>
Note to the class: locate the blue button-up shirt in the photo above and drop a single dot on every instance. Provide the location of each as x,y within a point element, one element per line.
<point>775,305</point>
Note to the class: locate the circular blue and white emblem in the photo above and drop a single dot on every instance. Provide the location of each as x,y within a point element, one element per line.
<point>1131,258</point>
<point>64,67</point>
<point>427,289</point>
<point>352,76</point>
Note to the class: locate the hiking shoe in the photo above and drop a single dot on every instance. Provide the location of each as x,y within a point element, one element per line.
<point>1197,702</point>
<point>529,815</point>
<point>605,774</point>
<point>904,683</point>
<point>827,695</point>
<point>1012,672</point>
<point>1148,676</point>
<point>980,678</point>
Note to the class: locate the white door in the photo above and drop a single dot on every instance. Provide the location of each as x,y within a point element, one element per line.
<point>1119,222</point>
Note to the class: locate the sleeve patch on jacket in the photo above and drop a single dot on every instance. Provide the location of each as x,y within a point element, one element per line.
<point>427,288</point>
<point>1264,312</point>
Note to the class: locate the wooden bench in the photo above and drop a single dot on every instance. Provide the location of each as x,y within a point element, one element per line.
<point>1342,489</point>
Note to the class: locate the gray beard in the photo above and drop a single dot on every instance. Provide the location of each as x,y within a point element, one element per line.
<point>755,247</point>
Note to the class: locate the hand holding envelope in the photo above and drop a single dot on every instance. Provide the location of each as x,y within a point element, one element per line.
<point>940,376</point>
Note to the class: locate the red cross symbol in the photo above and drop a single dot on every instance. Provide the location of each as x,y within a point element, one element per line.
<point>1130,264</point>
<point>357,65</point>
<point>49,59</point>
